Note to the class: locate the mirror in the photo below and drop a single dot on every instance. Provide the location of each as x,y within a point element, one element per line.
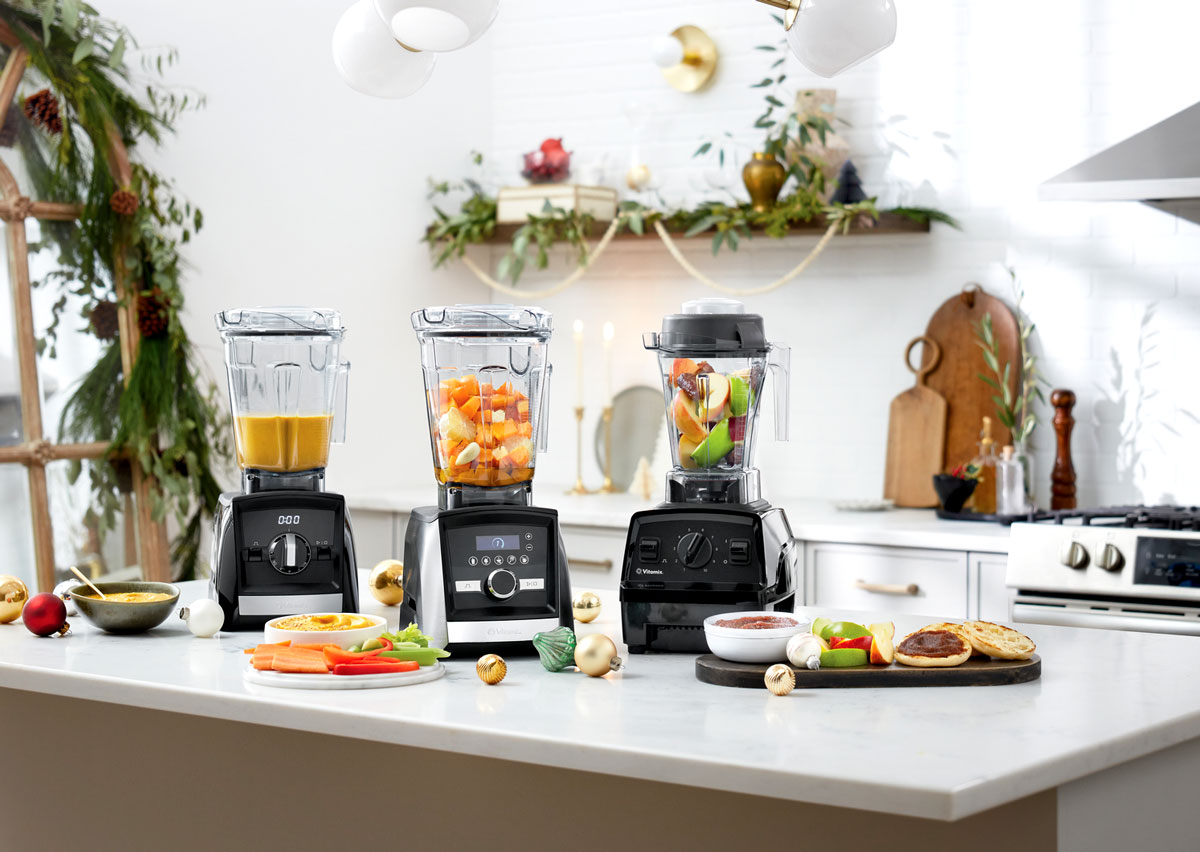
<point>637,421</point>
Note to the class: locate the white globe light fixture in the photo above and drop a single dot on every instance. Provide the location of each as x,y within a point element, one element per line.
<point>439,25</point>
<point>370,59</point>
<point>831,36</point>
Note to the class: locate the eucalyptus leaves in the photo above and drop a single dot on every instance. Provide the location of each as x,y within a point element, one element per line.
<point>1017,413</point>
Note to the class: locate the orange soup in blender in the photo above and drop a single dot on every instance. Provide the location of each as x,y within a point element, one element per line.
<point>283,443</point>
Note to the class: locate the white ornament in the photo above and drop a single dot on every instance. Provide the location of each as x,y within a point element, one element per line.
<point>204,617</point>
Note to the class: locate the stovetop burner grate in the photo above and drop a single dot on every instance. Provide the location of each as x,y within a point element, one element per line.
<point>1148,517</point>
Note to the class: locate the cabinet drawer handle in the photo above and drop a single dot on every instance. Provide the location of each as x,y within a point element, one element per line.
<point>887,588</point>
<point>605,564</point>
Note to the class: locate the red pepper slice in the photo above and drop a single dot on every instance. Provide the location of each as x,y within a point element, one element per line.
<point>335,655</point>
<point>387,643</point>
<point>374,668</point>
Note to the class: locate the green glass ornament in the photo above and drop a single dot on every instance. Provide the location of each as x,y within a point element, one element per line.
<point>556,648</point>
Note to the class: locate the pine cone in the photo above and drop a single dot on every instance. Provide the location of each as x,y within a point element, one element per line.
<point>104,320</point>
<point>42,108</point>
<point>123,202</point>
<point>153,319</point>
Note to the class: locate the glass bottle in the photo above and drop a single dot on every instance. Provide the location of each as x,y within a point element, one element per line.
<point>1010,483</point>
<point>983,500</point>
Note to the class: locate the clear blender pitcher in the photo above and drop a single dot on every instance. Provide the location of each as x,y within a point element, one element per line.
<point>486,386</point>
<point>714,358</point>
<point>287,392</point>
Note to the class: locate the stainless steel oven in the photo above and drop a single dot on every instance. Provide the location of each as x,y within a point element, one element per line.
<point>1132,568</point>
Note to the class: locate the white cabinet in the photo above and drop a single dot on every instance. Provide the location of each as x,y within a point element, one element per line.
<point>888,579</point>
<point>375,537</point>
<point>989,596</point>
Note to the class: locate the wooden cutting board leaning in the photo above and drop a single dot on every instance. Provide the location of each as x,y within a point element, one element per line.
<point>956,375</point>
<point>916,433</point>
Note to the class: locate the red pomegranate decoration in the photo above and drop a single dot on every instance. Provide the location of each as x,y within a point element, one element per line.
<point>548,164</point>
<point>45,614</point>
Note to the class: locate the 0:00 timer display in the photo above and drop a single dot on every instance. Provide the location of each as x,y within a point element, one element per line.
<point>288,520</point>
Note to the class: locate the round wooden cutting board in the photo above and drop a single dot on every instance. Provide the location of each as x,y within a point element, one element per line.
<point>956,376</point>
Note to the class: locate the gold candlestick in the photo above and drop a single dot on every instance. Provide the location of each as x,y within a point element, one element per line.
<point>579,487</point>
<point>607,487</point>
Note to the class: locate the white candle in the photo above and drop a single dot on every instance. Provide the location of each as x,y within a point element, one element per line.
<point>579,363</point>
<point>608,339</point>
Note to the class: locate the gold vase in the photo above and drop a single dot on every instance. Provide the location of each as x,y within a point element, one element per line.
<point>764,176</point>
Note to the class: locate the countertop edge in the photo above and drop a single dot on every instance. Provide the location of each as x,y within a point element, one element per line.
<point>927,803</point>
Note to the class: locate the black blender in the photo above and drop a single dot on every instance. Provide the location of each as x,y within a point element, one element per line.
<point>715,545</point>
<point>485,568</point>
<point>283,545</point>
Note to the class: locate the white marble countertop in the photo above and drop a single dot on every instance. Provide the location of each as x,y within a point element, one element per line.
<point>811,520</point>
<point>1104,698</point>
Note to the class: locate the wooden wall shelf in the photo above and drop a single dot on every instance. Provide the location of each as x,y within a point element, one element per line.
<point>889,223</point>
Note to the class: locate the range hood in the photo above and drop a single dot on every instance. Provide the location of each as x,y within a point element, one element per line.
<point>1159,164</point>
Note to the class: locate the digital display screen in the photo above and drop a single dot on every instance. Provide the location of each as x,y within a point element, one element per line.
<point>497,542</point>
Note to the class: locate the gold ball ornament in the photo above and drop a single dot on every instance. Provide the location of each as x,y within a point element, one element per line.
<point>586,607</point>
<point>780,679</point>
<point>596,655</point>
<point>13,594</point>
<point>387,582</point>
<point>491,669</point>
<point>638,177</point>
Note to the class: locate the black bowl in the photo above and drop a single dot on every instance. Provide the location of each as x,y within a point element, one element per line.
<point>952,491</point>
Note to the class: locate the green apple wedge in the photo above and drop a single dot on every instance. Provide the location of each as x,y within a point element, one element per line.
<point>818,627</point>
<point>840,658</point>
<point>843,630</point>
<point>739,395</point>
<point>714,447</point>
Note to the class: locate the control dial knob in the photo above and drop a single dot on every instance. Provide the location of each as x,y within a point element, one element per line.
<point>1110,558</point>
<point>502,584</point>
<point>1073,555</point>
<point>694,550</point>
<point>289,553</point>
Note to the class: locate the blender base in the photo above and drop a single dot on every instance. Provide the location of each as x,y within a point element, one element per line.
<point>685,562</point>
<point>282,553</point>
<point>486,577</point>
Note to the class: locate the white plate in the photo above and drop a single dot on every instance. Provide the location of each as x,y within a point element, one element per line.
<point>864,505</point>
<point>286,680</point>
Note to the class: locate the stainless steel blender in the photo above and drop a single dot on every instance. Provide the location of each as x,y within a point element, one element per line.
<point>283,545</point>
<point>484,567</point>
<point>715,545</point>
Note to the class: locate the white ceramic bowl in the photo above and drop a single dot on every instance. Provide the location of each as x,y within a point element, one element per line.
<point>745,645</point>
<point>341,638</point>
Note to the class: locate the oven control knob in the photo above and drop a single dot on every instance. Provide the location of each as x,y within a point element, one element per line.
<point>1110,558</point>
<point>288,553</point>
<point>694,550</point>
<point>1073,555</point>
<point>502,584</point>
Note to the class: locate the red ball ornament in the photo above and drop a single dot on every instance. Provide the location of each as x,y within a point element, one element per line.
<point>45,614</point>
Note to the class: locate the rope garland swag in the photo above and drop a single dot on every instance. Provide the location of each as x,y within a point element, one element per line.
<point>672,249</point>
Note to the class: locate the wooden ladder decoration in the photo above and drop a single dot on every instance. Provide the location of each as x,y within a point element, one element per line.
<point>37,451</point>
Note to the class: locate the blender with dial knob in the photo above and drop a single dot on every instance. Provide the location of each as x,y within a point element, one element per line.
<point>283,545</point>
<point>715,545</point>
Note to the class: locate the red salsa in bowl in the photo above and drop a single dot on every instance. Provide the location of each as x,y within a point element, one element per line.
<point>757,622</point>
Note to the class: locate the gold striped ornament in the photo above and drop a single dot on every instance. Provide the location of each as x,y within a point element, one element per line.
<point>780,679</point>
<point>491,669</point>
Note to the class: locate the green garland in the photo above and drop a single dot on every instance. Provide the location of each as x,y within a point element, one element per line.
<point>167,420</point>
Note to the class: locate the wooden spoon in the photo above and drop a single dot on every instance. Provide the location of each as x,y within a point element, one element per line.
<point>78,574</point>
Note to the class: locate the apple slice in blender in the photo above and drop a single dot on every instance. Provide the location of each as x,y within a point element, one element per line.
<point>686,447</point>
<point>713,405</point>
<point>680,366</point>
<point>687,421</point>
<point>715,447</point>
<point>739,395</point>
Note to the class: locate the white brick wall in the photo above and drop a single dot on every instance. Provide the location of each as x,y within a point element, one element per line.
<point>1024,89</point>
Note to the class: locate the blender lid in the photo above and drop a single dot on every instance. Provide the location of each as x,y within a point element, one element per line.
<point>482,321</point>
<point>293,321</point>
<point>710,325</point>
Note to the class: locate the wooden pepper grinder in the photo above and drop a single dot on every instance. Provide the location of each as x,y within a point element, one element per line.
<point>1062,477</point>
